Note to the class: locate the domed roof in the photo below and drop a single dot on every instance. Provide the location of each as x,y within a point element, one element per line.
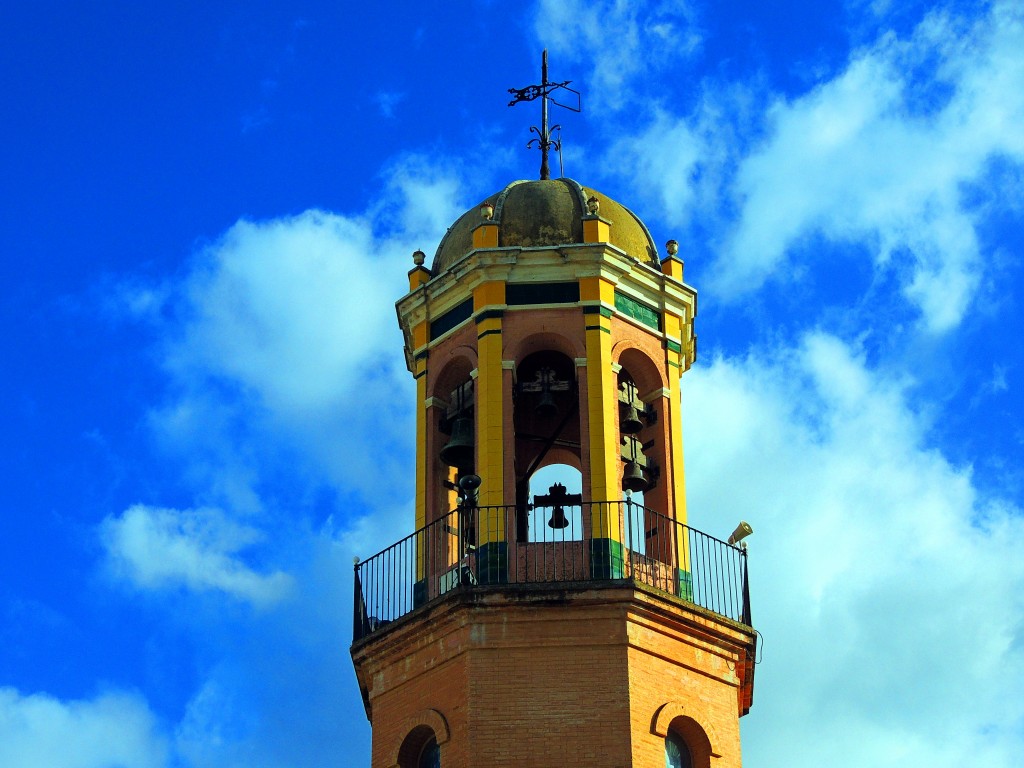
<point>531,214</point>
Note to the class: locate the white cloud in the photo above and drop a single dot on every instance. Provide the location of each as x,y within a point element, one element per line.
<point>887,588</point>
<point>113,729</point>
<point>631,38</point>
<point>881,156</point>
<point>161,548</point>
<point>271,304</point>
<point>288,341</point>
<point>681,167</point>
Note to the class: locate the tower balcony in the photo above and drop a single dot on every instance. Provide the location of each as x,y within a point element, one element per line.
<point>585,544</point>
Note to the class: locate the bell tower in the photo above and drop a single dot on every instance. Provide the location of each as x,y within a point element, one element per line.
<point>584,623</point>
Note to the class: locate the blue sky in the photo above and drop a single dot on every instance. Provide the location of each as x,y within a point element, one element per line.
<point>198,199</point>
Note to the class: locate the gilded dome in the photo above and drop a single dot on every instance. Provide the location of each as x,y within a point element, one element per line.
<point>532,214</point>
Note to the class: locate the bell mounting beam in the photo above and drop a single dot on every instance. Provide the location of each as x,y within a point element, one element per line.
<point>543,92</point>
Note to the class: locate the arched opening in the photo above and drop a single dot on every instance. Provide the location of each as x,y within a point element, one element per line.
<point>556,513</point>
<point>677,753</point>
<point>640,470</point>
<point>450,448</point>
<point>687,742</point>
<point>654,540</point>
<point>430,755</point>
<point>546,424</point>
<point>420,749</point>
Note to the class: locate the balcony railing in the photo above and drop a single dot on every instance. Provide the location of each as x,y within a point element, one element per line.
<point>593,541</point>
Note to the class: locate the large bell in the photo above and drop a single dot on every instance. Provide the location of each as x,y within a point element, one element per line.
<point>458,452</point>
<point>631,423</point>
<point>558,519</point>
<point>633,478</point>
<point>546,407</point>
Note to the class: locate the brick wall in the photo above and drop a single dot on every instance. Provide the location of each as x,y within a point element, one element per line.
<point>555,677</point>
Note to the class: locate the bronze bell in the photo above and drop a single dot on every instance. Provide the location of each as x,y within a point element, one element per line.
<point>633,478</point>
<point>558,519</point>
<point>631,423</point>
<point>458,452</point>
<point>546,407</point>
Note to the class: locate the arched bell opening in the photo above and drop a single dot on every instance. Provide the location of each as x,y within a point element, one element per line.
<point>645,461</point>
<point>644,431</point>
<point>546,423</point>
<point>450,454</point>
<point>641,470</point>
<point>451,444</point>
<point>556,502</point>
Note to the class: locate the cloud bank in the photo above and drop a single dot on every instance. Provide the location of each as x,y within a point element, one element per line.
<point>113,729</point>
<point>892,156</point>
<point>197,549</point>
<point>887,588</point>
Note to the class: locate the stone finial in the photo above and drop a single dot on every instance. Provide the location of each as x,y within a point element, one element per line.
<point>593,205</point>
<point>418,257</point>
<point>672,247</point>
<point>486,211</point>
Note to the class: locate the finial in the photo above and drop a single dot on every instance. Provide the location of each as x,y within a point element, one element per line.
<point>486,211</point>
<point>543,92</point>
<point>593,205</point>
<point>418,257</point>
<point>672,247</point>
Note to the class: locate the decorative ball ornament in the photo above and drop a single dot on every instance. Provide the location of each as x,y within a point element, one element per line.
<point>672,247</point>
<point>418,257</point>
<point>593,205</point>
<point>486,211</point>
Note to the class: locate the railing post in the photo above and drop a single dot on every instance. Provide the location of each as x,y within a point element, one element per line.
<point>359,618</point>
<point>746,590</point>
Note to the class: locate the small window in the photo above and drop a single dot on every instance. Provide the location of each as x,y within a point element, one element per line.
<point>430,756</point>
<point>677,755</point>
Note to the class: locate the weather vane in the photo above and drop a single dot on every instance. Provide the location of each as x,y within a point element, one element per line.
<point>543,92</point>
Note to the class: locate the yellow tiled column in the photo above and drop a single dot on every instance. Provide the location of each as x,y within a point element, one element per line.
<point>419,336</point>
<point>674,362</point>
<point>602,410</point>
<point>488,308</point>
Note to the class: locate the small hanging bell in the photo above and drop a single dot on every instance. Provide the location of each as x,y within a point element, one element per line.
<point>633,478</point>
<point>546,407</point>
<point>458,452</point>
<point>558,519</point>
<point>631,423</point>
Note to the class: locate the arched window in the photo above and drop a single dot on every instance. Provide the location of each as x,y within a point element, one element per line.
<point>421,748</point>
<point>677,754</point>
<point>430,755</point>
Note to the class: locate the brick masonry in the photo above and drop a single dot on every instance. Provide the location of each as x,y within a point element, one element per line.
<point>542,675</point>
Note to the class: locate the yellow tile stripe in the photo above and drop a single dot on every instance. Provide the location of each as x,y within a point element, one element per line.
<point>419,336</point>
<point>602,411</point>
<point>490,425</point>
<point>421,466</point>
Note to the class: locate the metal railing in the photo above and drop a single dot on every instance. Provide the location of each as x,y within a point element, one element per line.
<point>593,541</point>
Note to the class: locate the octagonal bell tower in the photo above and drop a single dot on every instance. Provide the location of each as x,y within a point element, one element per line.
<point>563,625</point>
